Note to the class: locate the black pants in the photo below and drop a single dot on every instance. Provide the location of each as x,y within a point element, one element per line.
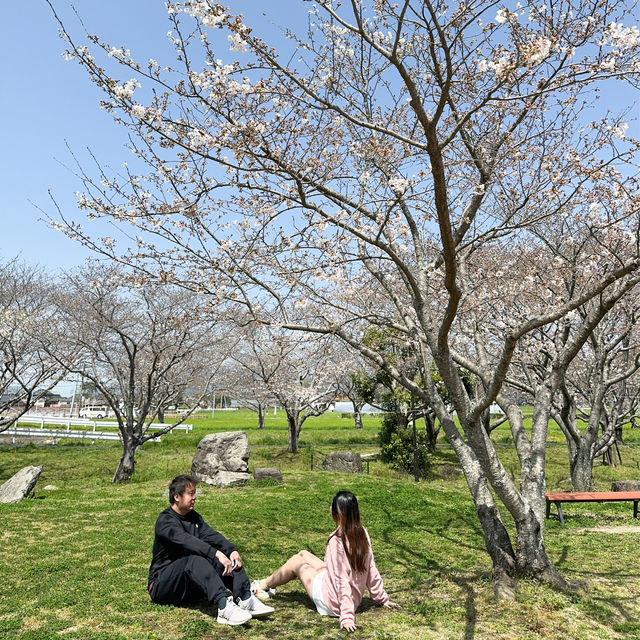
<point>193,577</point>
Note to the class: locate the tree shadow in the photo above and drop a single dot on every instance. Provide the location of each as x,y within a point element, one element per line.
<point>599,606</point>
<point>408,557</point>
<point>292,598</point>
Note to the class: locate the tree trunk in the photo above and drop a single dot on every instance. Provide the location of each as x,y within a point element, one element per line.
<point>497,542</point>
<point>293,421</point>
<point>357,416</point>
<point>531,556</point>
<point>127,464</point>
<point>161,414</point>
<point>260,416</point>
<point>618,432</point>
<point>402,419</point>
<point>486,420</point>
<point>432,434</point>
<point>526,505</point>
<point>416,453</point>
<point>528,508</point>
<point>414,442</point>
<point>581,466</point>
<point>496,537</point>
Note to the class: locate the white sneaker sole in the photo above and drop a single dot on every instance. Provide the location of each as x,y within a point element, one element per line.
<point>262,614</point>
<point>232,623</point>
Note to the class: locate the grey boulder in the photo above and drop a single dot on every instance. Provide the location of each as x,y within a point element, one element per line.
<point>222,459</point>
<point>20,485</point>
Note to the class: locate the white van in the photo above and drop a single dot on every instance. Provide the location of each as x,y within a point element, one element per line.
<point>94,411</point>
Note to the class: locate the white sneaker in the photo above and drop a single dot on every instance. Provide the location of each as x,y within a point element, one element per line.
<point>233,615</point>
<point>263,594</point>
<point>257,608</point>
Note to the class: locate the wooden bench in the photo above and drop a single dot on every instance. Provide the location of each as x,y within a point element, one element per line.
<point>591,496</point>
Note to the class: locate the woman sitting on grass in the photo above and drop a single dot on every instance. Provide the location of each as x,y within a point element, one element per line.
<point>336,585</point>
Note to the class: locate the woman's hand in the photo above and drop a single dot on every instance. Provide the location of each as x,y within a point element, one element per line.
<point>391,605</point>
<point>350,627</point>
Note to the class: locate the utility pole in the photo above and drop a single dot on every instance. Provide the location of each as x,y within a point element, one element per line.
<point>73,397</point>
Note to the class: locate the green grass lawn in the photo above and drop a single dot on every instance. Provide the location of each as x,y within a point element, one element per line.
<point>73,562</point>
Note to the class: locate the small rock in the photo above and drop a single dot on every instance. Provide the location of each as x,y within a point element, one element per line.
<point>626,485</point>
<point>345,461</point>
<point>267,473</point>
<point>51,487</point>
<point>20,485</point>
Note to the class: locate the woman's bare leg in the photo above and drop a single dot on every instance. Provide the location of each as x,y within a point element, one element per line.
<point>303,565</point>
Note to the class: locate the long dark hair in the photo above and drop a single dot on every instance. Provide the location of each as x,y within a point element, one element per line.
<point>346,514</point>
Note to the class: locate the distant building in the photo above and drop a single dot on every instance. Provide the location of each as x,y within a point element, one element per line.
<point>50,399</point>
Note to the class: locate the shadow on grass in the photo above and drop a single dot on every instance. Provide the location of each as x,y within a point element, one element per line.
<point>296,598</point>
<point>443,454</point>
<point>600,606</point>
<point>412,558</point>
<point>290,599</point>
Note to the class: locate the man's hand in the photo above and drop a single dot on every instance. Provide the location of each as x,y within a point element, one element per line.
<point>225,562</point>
<point>236,560</point>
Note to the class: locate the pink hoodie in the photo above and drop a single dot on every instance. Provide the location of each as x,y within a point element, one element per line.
<point>342,588</point>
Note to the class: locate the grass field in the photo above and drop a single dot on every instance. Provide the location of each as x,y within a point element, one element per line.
<point>73,562</point>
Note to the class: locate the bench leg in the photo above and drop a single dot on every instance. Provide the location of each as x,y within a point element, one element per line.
<point>558,507</point>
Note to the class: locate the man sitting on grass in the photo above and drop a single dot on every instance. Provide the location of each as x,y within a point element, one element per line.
<point>191,561</point>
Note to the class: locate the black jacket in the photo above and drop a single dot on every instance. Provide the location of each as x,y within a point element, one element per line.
<point>177,536</point>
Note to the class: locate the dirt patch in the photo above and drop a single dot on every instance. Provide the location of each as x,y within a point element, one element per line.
<point>607,529</point>
<point>6,439</point>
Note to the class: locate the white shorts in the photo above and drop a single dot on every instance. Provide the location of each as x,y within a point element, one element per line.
<point>321,605</point>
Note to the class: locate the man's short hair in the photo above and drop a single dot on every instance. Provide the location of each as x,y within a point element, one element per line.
<point>179,485</point>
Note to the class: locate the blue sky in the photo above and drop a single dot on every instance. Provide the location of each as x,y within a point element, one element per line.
<point>47,103</point>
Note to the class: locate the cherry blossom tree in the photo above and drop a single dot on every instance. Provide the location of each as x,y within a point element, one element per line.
<point>427,155</point>
<point>269,365</point>
<point>596,392</point>
<point>238,380</point>
<point>355,386</point>
<point>601,362</point>
<point>355,379</point>
<point>26,321</point>
<point>251,369</point>
<point>299,373</point>
<point>141,347</point>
